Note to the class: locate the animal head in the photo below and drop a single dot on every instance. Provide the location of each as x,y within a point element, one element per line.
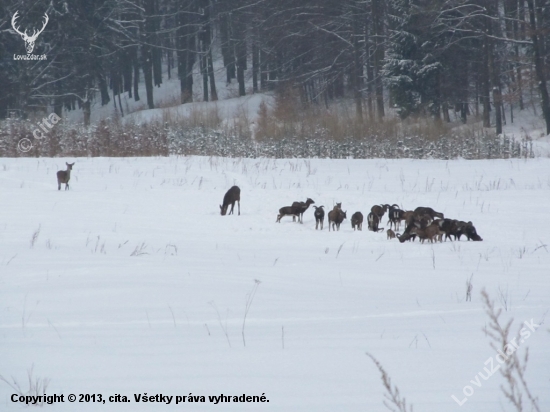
<point>309,201</point>
<point>70,165</point>
<point>223,209</point>
<point>404,237</point>
<point>471,232</point>
<point>29,40</point>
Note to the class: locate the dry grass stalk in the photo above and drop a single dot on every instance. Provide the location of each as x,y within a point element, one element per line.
<point>513,369</point>
<point>394,401</point>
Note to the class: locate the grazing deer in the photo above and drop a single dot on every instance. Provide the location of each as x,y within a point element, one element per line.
<point>63,176</point>
<point>471,233</point>
<point>431,232</point>
<point>233,195</point>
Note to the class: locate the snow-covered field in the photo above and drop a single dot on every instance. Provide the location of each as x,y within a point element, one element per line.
<point>132,283</point>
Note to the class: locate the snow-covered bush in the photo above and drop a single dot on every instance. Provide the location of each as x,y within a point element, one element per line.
<point>113,138</point>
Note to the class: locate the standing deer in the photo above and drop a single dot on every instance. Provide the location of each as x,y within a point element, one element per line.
<point>395,214</point>
<point>357,221</point>
<point>336,217</point>
<point>300,208</point>
<point>233,195</point>
<point>319,216</point>
<point>379,211</point>
<point>287,211</point>
<point>63,176</point>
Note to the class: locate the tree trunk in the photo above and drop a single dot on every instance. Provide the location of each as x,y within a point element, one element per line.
<point>204,71</point>
<point>147,68</point>
<point>227,46</point>
<point>185,42</point>
<point>87,111</point>
<point>370,74</point>
<point>495,79</point>
<point>240,50</point>
<point>146,53</point>
<point>464,76</point>
<point>357,69</point>
<point>485,85</point>
<point>493,28</point>
<point>213,91</point>
<point>539,66</point>
<point>255,66</point>
<point>135,65</point>
<point>263,69</point>
<point>206,48</point>
<point>378,27</point>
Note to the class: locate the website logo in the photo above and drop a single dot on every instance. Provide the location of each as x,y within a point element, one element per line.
<point>29,40</point>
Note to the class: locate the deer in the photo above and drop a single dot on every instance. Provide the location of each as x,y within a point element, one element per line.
<point>29,40</point>
<point>357,221</point>
<point>336,217</point>
<point>420,211</point>
<point>407,217</point>
<point>301,207</point>
<point>449,227</point>
<point>430,232</point>
<point>471,233</point>
<point>319,216</point>
<point>424,228</point>
<point>379,211</point>
<point>391,234</point>
<point>287,211</point>
<point>395,214</point>
<point>373,221</point>
<point>63,176</point>
<point>457,228</point>
<point>233,195</point>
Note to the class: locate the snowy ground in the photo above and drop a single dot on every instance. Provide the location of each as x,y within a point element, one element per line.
<point>135,284</point>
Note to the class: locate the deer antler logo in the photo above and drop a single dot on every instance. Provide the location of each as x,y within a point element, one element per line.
<point>29,40</point>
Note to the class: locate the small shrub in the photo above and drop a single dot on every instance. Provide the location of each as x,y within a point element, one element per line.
<point>285,133</point>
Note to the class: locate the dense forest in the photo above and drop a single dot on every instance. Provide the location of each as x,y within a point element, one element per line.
<point>420,57</point>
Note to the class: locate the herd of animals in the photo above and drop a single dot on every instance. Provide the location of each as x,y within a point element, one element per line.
<point>422,222</point>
